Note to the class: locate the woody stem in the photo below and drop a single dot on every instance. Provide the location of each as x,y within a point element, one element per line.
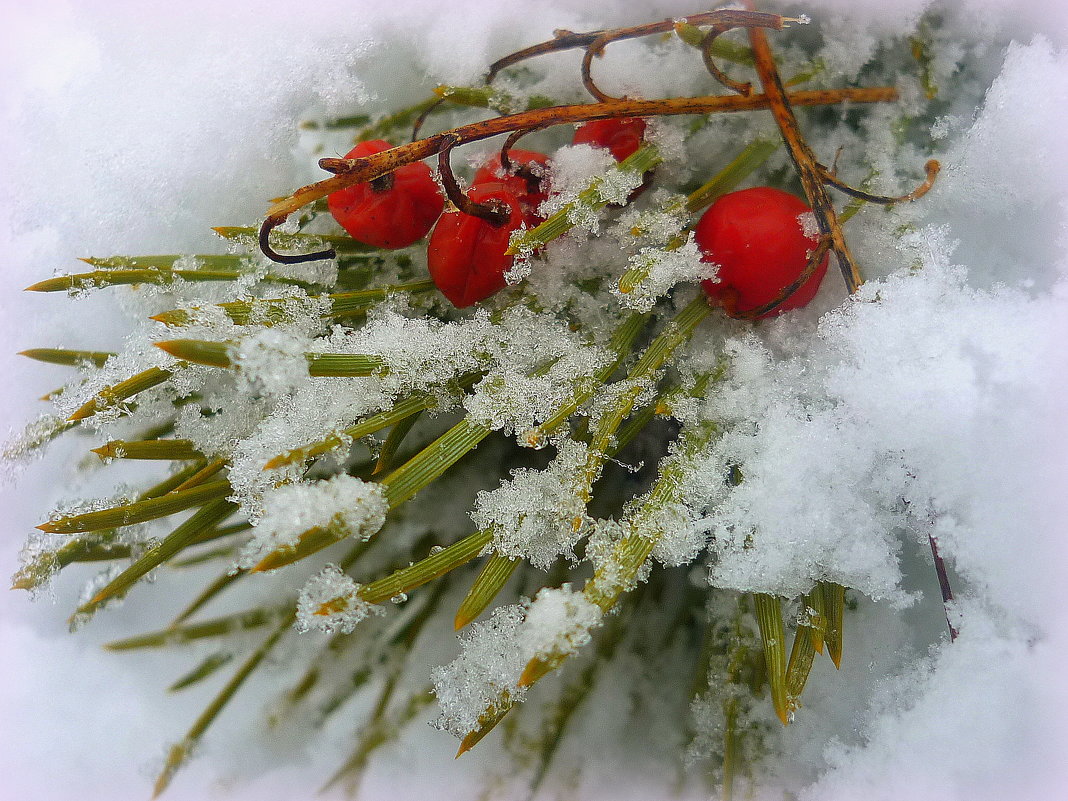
<point>802,156</point>
<point>492,214</point>
<point>354,171</point>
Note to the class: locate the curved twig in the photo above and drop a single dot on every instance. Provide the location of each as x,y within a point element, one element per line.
<point>287,258</point>
<point>569,40</point>
<point>743,88</point>
<point>492,214</point>
<point>931,168</point>
<point>595,48</point>
<point>422,117</point>
<point>348,172</point>
<point>814,259</point>
<point>522,170</point>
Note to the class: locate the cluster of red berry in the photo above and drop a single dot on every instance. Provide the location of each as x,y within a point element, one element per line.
<point>757,236</point>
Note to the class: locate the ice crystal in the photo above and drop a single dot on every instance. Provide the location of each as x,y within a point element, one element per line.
<point>329,602</point>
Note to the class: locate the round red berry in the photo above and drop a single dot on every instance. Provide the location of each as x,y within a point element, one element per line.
<point>530,191</point>
<point>466,254</point>
<point>393,211</point>
<point>761,239</point>
<point>621,136</point>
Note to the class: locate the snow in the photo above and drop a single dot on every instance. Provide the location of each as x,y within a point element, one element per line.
<point>931,403</point>
<point>535,514</point>
<point>330,585</point>
<point>344,504</point>
<point>556,621</point>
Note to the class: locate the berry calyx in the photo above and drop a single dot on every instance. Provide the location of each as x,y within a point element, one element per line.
<point>466,254</point>
<point>524,177</point>
<point>761,239</point>
<point>620,136</point>
<point>392,211</point>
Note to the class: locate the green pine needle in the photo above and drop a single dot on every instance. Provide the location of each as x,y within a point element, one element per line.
<point>769,618</point>
<point>68,358</point>
<point>203,670</point>
<point>172,449</point>
<point>112,396</point>
<point>218,354</point>
<point>208,516</point>
<point>490,581</point>
<point>276,310</point>
<point>139,511</point>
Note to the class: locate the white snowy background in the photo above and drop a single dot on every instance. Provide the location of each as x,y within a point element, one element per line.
<point>133,127</point>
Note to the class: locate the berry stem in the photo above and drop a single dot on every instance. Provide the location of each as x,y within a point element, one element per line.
<point>595,41</point>
<point>491,213</point>
<point>802,156</point>
<point>349,172</point>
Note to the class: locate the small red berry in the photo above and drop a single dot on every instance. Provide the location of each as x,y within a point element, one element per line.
<point>466,254</point>
<point>761,242</point>
<point>532,193</point>
<point>621,136</point>
<point>392,212</point>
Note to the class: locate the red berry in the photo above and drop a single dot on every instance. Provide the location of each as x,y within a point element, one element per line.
<point>621,136</point>
<point>392,212</point>
<point>758,239</point>
<point>530,196</point>
<point>466,254</point>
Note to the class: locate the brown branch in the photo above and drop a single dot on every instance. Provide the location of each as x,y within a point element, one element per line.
<point>943,585</point>
<point>569,40</point>
<point>353,171</point>
<point>931,168</point>
<point>493,214</point>
<point>802,156</point>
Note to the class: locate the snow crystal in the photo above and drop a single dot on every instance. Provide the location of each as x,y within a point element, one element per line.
<point>419,352</point>
<point>662,269</point>
<point>573,169</point>
<point>810,228</point>
<point>616,185</point>
<point>272,361</point>
<point>338,593</point>
<point>657,224</point>
<point>536,515</point>
<point>669,140</point>
<point>558,622</point>
<point>494,654</point>
<point>351,506</point>
<point>537,364</point>
<point>485,673</point>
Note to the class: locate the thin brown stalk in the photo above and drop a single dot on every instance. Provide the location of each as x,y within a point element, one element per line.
<point>596,40</point>
<point>349,172</point>
<point>808,168</point>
